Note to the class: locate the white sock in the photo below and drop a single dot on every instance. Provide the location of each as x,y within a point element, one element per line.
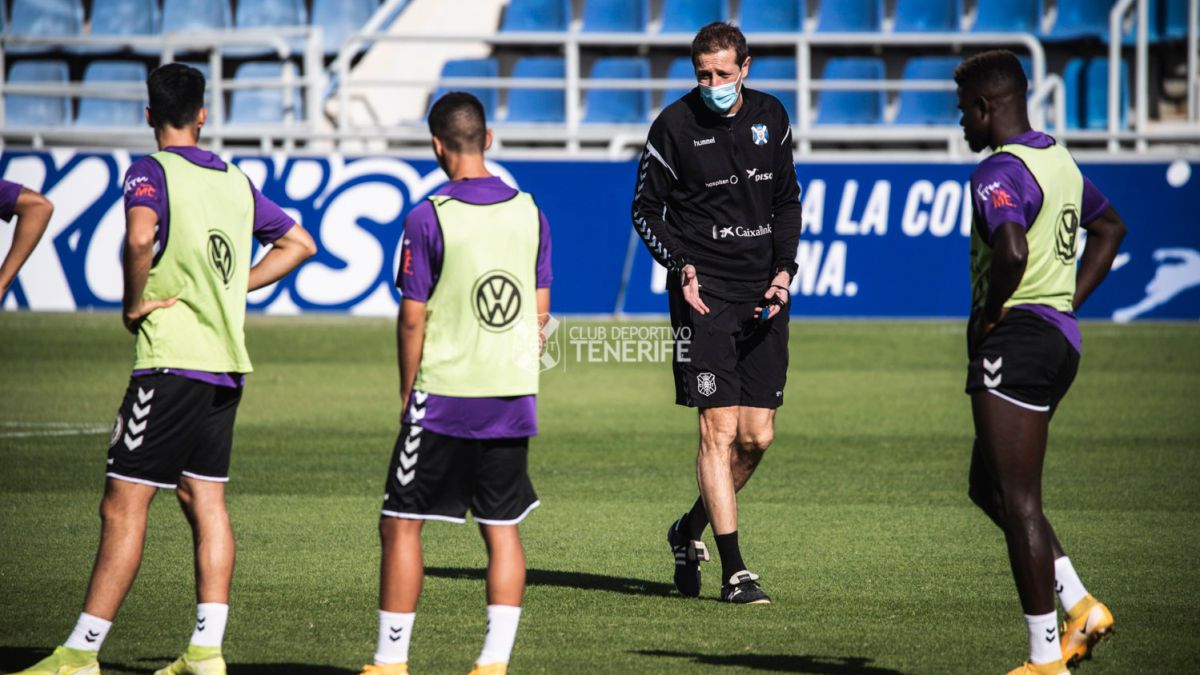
<point>501,634</point>
<point>1043,638</point>
<point>210,624</point>
<point>1070,589</point>
<point>395,632</point>
<point>89,633</point>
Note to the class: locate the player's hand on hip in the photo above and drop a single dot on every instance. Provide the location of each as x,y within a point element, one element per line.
<point>133,317</point>
<point>691,288</point>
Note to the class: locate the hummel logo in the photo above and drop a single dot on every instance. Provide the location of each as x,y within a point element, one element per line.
<point>1050,634</point>
<point>1058,588</point>
<point>200,623</point>
<point>395,633</point>
<point>91,636</point>
<point>133,443</point>
<point>144,395</point>
<point>992,367</point>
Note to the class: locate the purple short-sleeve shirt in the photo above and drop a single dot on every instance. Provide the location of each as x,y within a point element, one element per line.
<point>9,192</point>
<point>1004,191</point>
<point>146,185</point>
<point>420,265</point>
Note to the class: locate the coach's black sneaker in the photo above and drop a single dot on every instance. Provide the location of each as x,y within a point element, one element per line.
<point>743,589</point>
<point>688,554</point>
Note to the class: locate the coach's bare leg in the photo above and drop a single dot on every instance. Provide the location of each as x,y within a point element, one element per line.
<point>756,430</point>
<point>714,473</point>
<point>401,567</point>
<point>203,504</point>
<point>506,564</point>
<point>123,512</point>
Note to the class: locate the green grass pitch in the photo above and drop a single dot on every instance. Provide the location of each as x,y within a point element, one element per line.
<point>858,520</point>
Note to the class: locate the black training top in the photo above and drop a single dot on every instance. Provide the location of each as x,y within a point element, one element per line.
<point>720,192</point>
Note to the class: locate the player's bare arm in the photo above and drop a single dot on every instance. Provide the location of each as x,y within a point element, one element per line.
<point>543,317</point>
<point>410,339</point>
<point>1009,256</point>
<point>286,254</point>
<point>140,222</point>
<point>33,214</point>
<point>1104,239</point>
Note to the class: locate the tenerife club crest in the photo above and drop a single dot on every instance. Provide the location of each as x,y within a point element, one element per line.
<point>497,300</point>
<point>758,132</point>
<point>706,384</point>
<point>220,254</point>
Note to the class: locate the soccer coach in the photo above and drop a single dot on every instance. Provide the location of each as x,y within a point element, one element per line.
<point>718,205</point>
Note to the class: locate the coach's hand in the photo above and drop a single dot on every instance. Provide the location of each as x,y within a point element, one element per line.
<point>691,288</point>
<point>133,317</point>
<point>776,295</point>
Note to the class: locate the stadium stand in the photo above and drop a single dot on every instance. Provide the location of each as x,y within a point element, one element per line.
<point>340,18</point>
<point>619,106</point>
<point>679,69</point>
<point>44,18</point>
<point>851,107</point>
<point>928,107</point>
<point>1023,16</point>
<point>928,15</point>
<point>538,105</point>
<point>771,16</point>
<point>262,105</point>
<point>1087,93</point>
<point>864,16</point>
<point>777,68</point>
<point>193,15</point>
<point>471,68</point>
<point>616,16</point>
<point>29,111</point>
<point>688,16</point>
<point>107,112</point>
<point>1080,19</point>
<point>537,15</point>
<point>123,17</point>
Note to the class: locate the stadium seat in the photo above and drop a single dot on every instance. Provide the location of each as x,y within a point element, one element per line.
<point>39,111</point>
<point>850,16</point>
<point>618,106</point>
<point>471,68</point>
<point>1169,19</point>
<point>689,16</point>
<point>195,15</point>
<point>1086,83</point>
<point>851,107</point>
<point>44,18</point>
<point>929,107</point>
<point>108,112</point>
<point>680,69</point>
<point>537,15</point>
<point>266,14</point>
<point>1022,16</point>
<point>940,16</point>
<point>1078,19</point>
<point>124,17</point>
<point>262,106</point>
<point>538,105</point>
<point>771,16</point>
<point>616,16</point>
<point>338,19</point>
<point>776,68</point>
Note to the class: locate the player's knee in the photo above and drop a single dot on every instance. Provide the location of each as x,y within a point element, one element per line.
<point>755,442</point>
<point>1019,507</point>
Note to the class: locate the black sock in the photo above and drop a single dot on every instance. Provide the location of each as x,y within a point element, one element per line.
<point>731,555</point>
<point>696,520</point>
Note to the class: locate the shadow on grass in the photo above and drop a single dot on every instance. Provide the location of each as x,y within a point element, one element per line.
<point>13,659</point>
<point>579,580</point>
<point>781,663</point>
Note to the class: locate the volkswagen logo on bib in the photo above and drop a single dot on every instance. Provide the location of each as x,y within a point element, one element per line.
<point>497,300</point>
<point>220,254</point>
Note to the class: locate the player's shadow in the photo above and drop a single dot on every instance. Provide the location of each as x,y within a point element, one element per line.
<point>581,580</point>
<point>781,663</point>
<point>13,659</point>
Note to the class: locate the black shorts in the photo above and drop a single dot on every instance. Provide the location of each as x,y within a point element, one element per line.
<point>169,426</point>
<point>1024,360</point>
<point>729,356</point>
<point>438,477</point>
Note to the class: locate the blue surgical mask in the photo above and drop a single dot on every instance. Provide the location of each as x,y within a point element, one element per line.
<point>721,98</point>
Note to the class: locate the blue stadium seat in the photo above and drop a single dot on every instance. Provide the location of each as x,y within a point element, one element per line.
<point>1169,19</point>
<point>1079,19</point>
<point>851,107</point>
<point>1087,93</point>
<point>108,112</point>
<point>338,19</point>
<point>771,16</point>
<point>261,106</point>
<point>850,16</point>
<point>939,16</point>
<point>537,15</point>
<point>929,107</point>
<point>471,68</point>
<point>186,15</point>
<point>39,111</point>
<point>124,17</point>
<point>777,68</point>
<point>538,105</point>
<point>680,69</point>
<point>44,18</point>
<point>689,16</point>
<point>618,106</point>
<point>1021,16</point>
<point>265,14</point>
<point>616,16</point>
